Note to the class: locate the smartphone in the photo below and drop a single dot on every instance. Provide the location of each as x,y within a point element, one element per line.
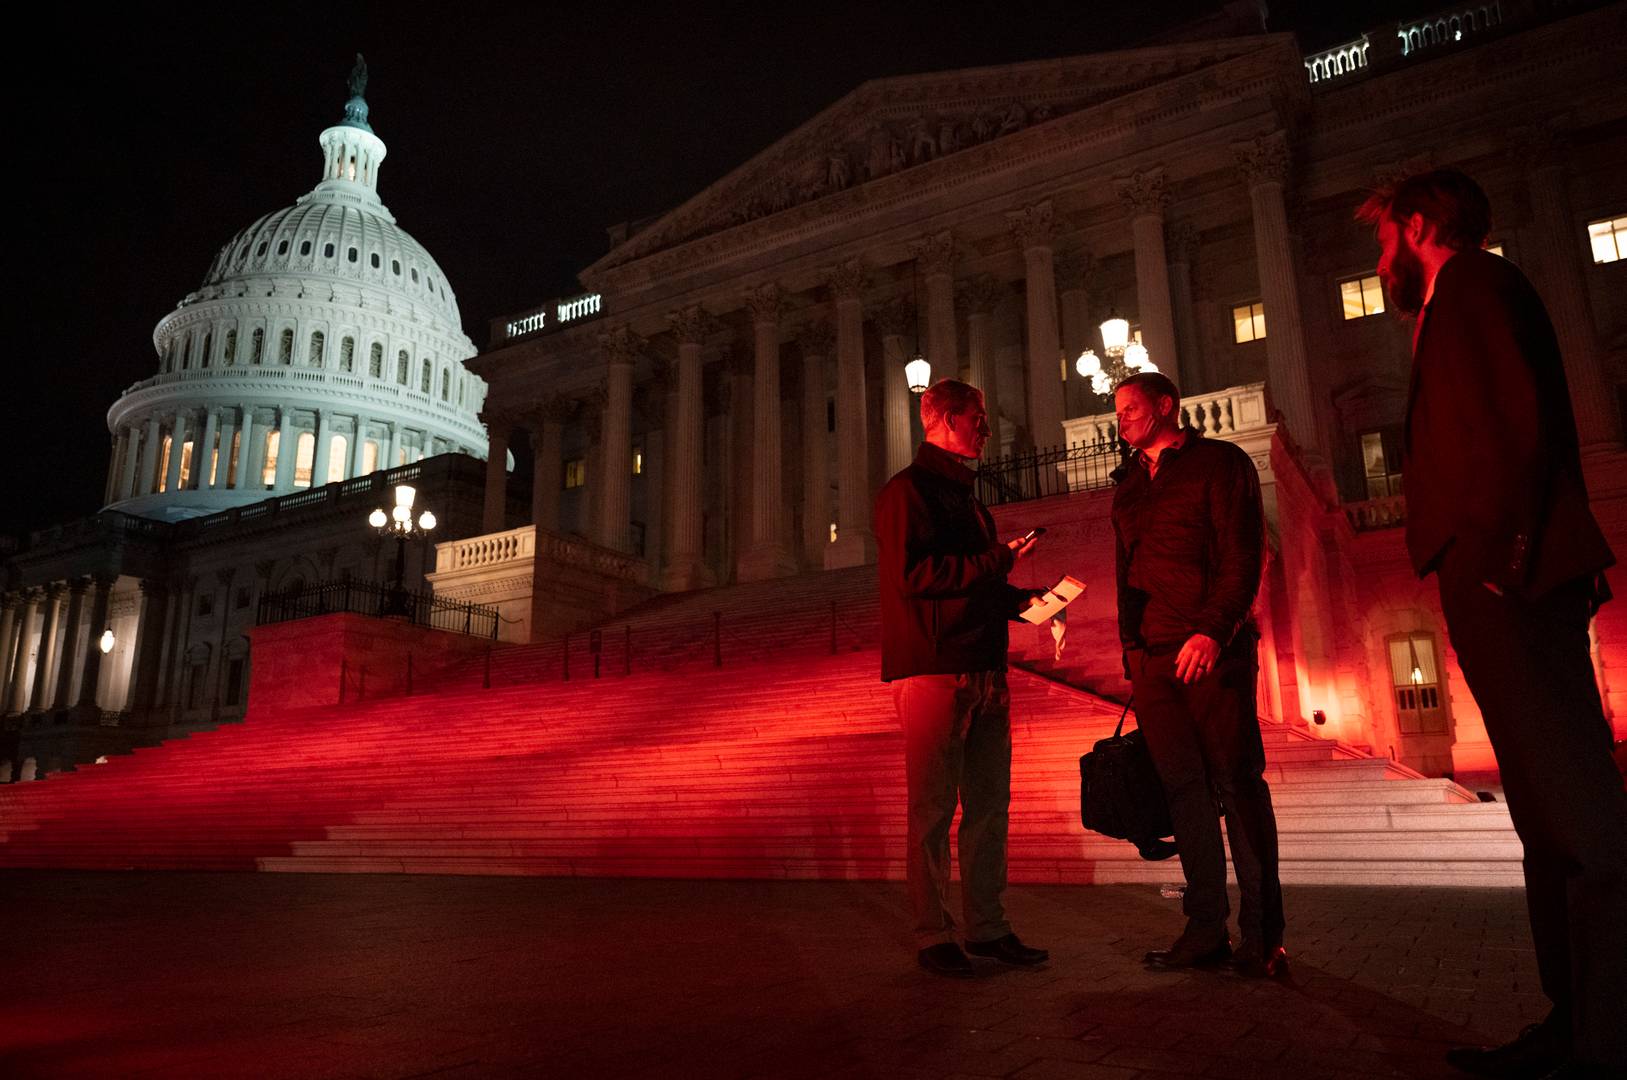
<point>1034,533</point>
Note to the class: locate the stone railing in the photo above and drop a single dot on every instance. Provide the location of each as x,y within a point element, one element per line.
<point>1225,413</point>
<point>492,549</point>
<point>1452,24</point>
<point>1339,60</point>
<point>528,543</point>
<point>1387,512</point>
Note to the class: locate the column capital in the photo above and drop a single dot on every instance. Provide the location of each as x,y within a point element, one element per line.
<point>1263,159</point>
<point>499,422</point>
<point>103,581</point>
<point>554,409</point>
<point>158,587</point>
<point>765,302</point>
<point>691,325</point>
<point>1144,192</point>
<point>78,585</point>
<point>1032,226</point>
<point>979,295</point>
<point>620,345</point>
<point>896,317</point>
<point>935,254</point>
<point>1074,270</point>
<point>816,338</point>
<point>1181,242</point>
<point>53,589</point>
<point>847,280</point>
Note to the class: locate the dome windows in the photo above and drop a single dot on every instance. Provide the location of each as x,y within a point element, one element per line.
<point>229,353</point>
<point>257,345</point>
<point>395,267</point>
<point>282,247</point>
<point>208,347</point>
<point>424,382</point>
<point>375,360</point>
<point>415,275</point>
<point>304,248</point>
<point>354,254</point>
<point>401,368</point>
<point>446,384</point>
<point>375,260</point>
<point>259,252</point>
<point>347,354</point>
<point>327,251</point>
<point>285,346</point>
<point>318,345</point>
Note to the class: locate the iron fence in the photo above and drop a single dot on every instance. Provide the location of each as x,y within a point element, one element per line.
<point>382,601</point>
<point>1037,474</point>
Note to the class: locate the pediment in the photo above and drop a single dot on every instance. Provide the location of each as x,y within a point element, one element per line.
<point>889,126</point>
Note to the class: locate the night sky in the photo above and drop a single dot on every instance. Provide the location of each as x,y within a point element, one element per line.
<point>145,140</point>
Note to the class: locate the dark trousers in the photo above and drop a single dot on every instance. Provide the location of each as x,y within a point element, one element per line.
<point>1528,665</point>
<point>1204,738</point>
<point>957,749</point>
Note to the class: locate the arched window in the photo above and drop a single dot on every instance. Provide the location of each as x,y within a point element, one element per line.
<point>375,260</point>
<point>347,354</point>
<point>353,255</point>
<point>304,457</point>
<point>395,267</point>
<point>338,459</point>
<point>304,248</point>
<point>185,350</point>
<point>401,365</point>
<point>285,346</point>
<point>446,384</point>
<point>375,360</point>
<point>318,344</point>
<point>282,247</point>
<point>415,275</point>
<point>423,386</point>
<point>231,346</point>
<point>1419,697</point>
<point>208,345</point>
<point>327,250</point>
<point>260,251</point>
<point>460,391</point>
<point>257,345</point>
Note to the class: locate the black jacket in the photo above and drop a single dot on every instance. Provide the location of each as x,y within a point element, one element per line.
<point>944,597</point>
<point>1189,544</point>
<point>1491,463</point>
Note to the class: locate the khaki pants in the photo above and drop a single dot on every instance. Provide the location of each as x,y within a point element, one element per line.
<point>957,747</point>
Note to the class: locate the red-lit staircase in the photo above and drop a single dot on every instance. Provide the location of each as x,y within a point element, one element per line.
<point>784,762</point>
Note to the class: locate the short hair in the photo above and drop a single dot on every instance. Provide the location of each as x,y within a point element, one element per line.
<point>1154,384</point>
<point>1447,198</point>
<point>945,398</point>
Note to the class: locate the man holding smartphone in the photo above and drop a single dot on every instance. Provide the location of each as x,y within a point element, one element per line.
<point>1189,532</point>
<point>944,608</point>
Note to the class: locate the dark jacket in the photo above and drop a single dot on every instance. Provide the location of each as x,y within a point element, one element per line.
<point>944,597</point>
<point>1491,463</point>
<point>1189,544</point>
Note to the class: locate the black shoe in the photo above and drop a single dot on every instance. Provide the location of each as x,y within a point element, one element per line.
<point>1008,950</point>
<point>1195,948</point>
<point>1255,960</point>
<point>946,959</point>
<point>1156,850</point>
<point>1535,1052</point>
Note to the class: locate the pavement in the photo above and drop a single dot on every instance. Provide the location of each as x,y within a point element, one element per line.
<point>293,976</point>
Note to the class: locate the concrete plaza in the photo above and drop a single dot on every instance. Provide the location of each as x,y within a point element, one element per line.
<point>203,975</point>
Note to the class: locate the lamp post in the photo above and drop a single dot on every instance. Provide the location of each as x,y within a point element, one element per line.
<point>1124,358</point>
<point>398,524</point>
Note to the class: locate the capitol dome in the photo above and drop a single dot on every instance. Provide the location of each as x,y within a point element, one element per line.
<point>324,343</point>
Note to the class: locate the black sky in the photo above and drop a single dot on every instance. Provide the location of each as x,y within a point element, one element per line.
<point>145,139</point>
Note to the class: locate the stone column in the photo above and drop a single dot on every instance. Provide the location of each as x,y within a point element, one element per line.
<point>592,501</point>
<point>1263,162</point>
<point>249,461</point>
<point>323,428</point>
<point>47,652</point>
<point>1073,274</point>
<point>935,256</point>
<point>978,298</point>
<point>203,454</point>
<point>147,479</point>
<point>177,445</point>
<point>358,449</point>
<point>895,320</point>
<point>90,679</point>
<point>17,696</point>
<point>145,671</point>
<point>547,460</point>
<point>124,487</point>
<point>686,566</point>
<point>11,606</point>
<point>495,507</point>
<point>621,347</point>
<point>855,542</point>
<point>392,457</point>
<point>1182,242</point>
<point>815,341</point>
<point>73,628</point>
<point>768,556</point>
<point>1560,251</point>
<point>287,449</point>
<point>1145,198</point>
<point>110,486</point>
<point>228,430</point>
<point>1032,230</point>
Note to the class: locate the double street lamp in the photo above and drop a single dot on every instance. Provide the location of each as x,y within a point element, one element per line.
<point>1124,358</point>
<point>399,524</point>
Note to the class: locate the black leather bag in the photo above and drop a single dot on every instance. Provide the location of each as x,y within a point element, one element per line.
<point>1121,796</point>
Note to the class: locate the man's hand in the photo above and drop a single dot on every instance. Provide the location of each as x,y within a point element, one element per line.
<point>1020,547</point>
<point>1197,658</point>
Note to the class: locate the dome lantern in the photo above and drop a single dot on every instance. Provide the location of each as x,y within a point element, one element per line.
<point>351,152</point>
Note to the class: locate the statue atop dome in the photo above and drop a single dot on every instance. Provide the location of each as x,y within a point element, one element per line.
<point>356,107</point>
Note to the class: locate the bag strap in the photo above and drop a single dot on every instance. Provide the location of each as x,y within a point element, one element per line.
<point>1122,715</point>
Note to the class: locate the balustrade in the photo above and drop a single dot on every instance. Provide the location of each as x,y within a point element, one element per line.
<point>1221,414</point>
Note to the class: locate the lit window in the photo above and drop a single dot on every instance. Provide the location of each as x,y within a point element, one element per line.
<point>230,480</point>
<point>268,474</point>
<point>304,457</point>
<point>370,456</point>
<point>163,465</point>
<point>375,360</point>
<point>1496,249</point>
<point>1361,297</point>
<point>338,454</point>
<point>833,532</point>
<point>1609,239</point>
<point>638,461</point>
<point>185,480</point>
<point>576,473</point>
<point>1417,680</point>
<point>1381,464</point>
<point>1248,322</point>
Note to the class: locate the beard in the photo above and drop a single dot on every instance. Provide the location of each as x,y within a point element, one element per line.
<point>1405,282</point>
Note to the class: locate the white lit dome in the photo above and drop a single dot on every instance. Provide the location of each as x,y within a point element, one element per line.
<point>323,329</point>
